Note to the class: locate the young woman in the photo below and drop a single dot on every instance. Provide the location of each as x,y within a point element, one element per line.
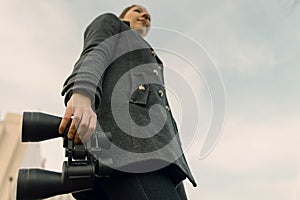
<point>118,83</point>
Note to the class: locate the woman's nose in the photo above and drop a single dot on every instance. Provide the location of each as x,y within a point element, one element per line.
<point>145,16</point>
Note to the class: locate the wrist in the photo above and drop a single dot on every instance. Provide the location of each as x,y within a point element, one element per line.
<point>82,98</point>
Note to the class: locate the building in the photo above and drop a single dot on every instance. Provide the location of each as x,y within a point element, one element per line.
<point>11,154</point>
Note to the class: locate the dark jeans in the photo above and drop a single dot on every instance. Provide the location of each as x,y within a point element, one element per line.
<point>133,186</point>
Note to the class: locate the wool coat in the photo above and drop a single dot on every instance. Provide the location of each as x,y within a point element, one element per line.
<point>123,76</point>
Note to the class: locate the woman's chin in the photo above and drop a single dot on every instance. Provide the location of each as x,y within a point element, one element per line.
<point>142,31</point>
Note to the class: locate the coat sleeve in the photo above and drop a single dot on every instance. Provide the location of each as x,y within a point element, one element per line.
<point>100,38</point>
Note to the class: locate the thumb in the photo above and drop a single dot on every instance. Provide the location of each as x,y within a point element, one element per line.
<point>66,118</point>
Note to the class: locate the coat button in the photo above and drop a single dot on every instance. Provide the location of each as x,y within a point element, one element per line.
<point>159,67</point>
<point>167,108</point>
<point>142,88</point>
<point>160,93</point>
<point>153,53</point>
<point>155,72</point>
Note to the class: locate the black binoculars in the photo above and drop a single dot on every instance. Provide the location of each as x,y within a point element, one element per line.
<point>84,161</point>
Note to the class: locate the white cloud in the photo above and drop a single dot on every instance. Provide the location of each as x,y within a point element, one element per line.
<point>38,52</point>
<point>250,156</point>
<point>243,36</point>
<point>39,45</point>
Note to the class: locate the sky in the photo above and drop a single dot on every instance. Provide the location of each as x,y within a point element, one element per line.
<point>253,46</point>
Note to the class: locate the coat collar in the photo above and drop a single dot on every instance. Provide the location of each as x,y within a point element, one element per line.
<point>127,23</point>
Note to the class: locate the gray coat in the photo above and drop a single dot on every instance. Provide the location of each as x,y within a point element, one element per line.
<point>123,76</point>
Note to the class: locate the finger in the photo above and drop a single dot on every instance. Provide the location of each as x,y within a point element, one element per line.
<point>83,126</point>
<point>76,139</point>
<point>91,127</point>
<point>77,118</point>
<point>65,120</point>
<point>72,130</point>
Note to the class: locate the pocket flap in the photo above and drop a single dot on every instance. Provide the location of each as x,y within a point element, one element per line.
<point>140,96</point>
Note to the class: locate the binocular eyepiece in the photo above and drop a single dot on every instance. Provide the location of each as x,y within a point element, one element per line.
<point>78,172</point>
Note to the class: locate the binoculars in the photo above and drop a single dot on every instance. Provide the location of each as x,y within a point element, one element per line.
<point>84,162</point>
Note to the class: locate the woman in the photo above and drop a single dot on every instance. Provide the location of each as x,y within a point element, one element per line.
<point>118,83</point>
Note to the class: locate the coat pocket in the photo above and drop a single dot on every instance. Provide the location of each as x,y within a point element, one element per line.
<point>139,91</point>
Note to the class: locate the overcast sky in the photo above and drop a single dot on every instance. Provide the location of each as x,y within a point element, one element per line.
<point>254,44</point>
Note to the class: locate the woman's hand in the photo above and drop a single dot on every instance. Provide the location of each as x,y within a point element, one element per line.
<point>84,119</point>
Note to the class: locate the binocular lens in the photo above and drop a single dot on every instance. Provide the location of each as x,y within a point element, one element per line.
<point>40,184</point>
<point>38,126</point>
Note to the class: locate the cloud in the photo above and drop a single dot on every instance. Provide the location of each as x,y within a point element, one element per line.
<point>242,36</point>
<point>250,156</point>
<point>39,45</point>
<point>38,51</point>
